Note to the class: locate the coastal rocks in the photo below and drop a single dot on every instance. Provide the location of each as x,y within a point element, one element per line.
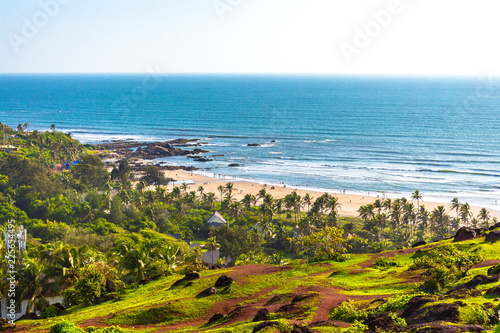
<point>463,234</point>
<point>254,145</point>
<point>233,165</point>
<point>223,281</point>
<point>157,150</point>
<point>262,314</point>
<point>207,292</point>
<point>203,159</point>
<point>492,236</point>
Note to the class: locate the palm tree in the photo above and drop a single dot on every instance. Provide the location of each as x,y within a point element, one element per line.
<point>52,127</point>
<point>484,215</point>
<point>416,196</point>
<point>20,128</point>
<point>34,283</point>
<point>201,189</point>
<point>455,205</point>
<point>307,200</point>
<point>247,201</point>
<point>25,126</point>
<point>465,213</point>
<point>212,245</point>
<point>221,189</point>
<point>230,188</point>
<point>439,218</point>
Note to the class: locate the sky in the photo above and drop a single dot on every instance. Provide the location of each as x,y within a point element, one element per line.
<point>342,37</point>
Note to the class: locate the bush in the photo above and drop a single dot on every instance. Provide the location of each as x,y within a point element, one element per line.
<point>112,329</point>
<point>48,312</point>
<point>386,262</point>
<point>65,327</point>
<point>444,265</point>
<point>348,312</point>
<point>395,303</point>
<point>478,315</point>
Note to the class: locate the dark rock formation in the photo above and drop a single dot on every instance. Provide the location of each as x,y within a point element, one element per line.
<point>188,277</point>
<point>494,270</point>
<point>438,312</point>
<point>262,315</point>
<point>443,328</point>
<point>223,281</point>
<point>207,292</point>
<point>492,236</point>
<point>233,165</point>
<point>303,297</point>
<point>464,233</point>
<point>203,159</point>
<point>254,145</point>
<point>417,244</point>
<point>414,304</point>
<point>496,225</point>
<point>278,299</point>
<point>301,329</point>
<point>215,317</point>
<point>495,291</point>
<point>263,325</point>
<point>379,321</point>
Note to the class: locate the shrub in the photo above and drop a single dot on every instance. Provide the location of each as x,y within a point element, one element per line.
<point>348,312</point>
<point>65,327</point>
<point>395,303</point>
<point>386,262</point>
<point>357,327</point>
<point>444,265</point>
<point>48,312</point>
<point>478,315</point>
<point>112,329</point>
<point>328,243</point>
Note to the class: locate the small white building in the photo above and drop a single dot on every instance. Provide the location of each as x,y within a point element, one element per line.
<point>216,220</point>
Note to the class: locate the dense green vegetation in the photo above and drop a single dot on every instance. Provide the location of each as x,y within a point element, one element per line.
<point>95,235</point>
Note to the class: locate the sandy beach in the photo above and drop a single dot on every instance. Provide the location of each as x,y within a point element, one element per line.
<point>350,202</point>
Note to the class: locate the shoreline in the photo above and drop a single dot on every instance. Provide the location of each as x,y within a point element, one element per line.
<point>350,202</point>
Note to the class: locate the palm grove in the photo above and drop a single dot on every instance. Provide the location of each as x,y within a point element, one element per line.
<point>92,232</point>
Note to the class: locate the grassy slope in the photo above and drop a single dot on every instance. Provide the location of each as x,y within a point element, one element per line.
<point>156,307</point>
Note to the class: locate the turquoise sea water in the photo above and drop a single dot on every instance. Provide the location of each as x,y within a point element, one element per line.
<point>375,135</point>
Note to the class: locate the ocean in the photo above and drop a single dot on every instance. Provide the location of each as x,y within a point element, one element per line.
<point>385,136</point>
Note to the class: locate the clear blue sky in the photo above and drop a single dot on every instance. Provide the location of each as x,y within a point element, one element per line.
<point>421,37</point>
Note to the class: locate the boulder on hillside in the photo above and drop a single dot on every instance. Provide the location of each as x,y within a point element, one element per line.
<point>207,292</point>
<point>477,280</point>
<point>262,315</point>
<point>215,317</point>
<point>278,299</point>
<point>263,325</point>
<point>496,225</point>
<point>188,277</point>
<point>444,328</point>
<point>495,291</point>
<point>380,321</point>
<point>439,312</point>
<point>223,281</point>
<point>303,297</point>
<point>464,233</point>
<point>414,304</point>
<point>417,244</point>
<point>301,329</point>
<point>492,236</point>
